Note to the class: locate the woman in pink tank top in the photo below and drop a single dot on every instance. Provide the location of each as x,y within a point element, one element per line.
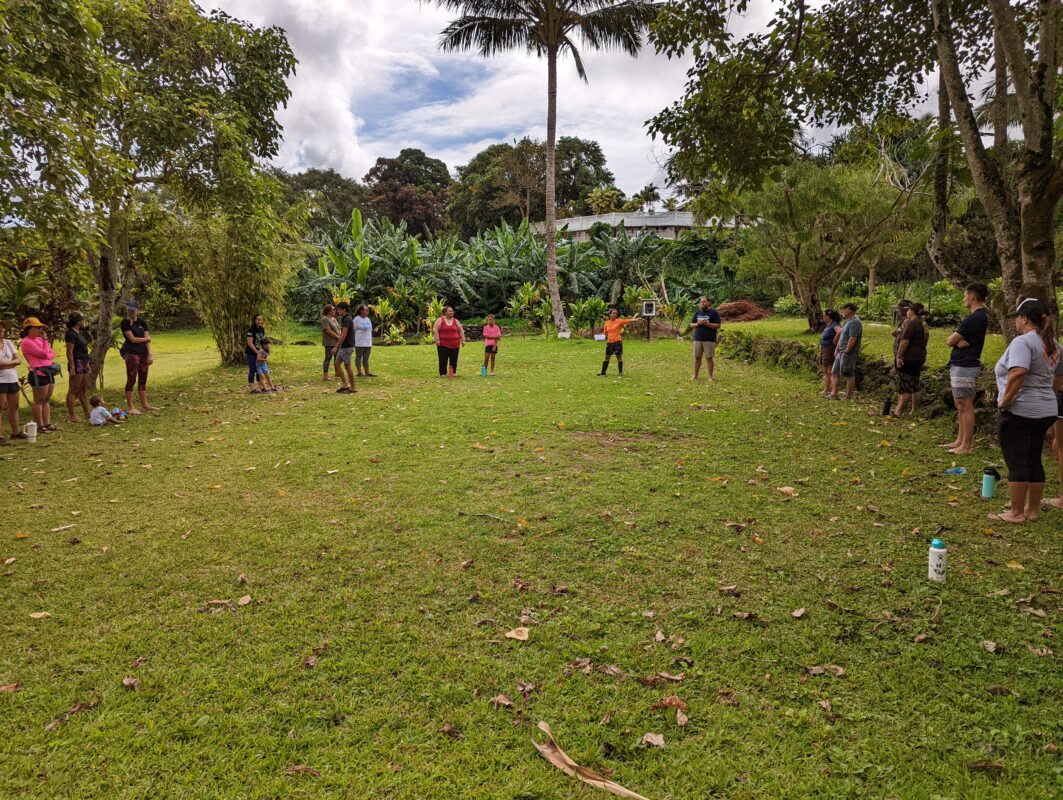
<point>449,337</point>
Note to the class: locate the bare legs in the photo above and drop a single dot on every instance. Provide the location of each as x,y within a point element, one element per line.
<point>1057,502</point>
<point>11,401</point>
<point>76,394</point>
<point>964,443</point>
<point>42,409</point>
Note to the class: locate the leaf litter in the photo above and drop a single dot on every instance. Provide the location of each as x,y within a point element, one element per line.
<point>560,759</point>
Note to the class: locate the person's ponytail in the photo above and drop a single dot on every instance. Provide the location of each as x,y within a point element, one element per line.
<point>1049,333</point>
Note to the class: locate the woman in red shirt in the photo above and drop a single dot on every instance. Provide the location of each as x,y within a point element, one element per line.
<point>449,337</point>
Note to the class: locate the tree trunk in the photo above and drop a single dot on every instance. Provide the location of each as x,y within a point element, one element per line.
<point>1037,206</point>
<point>105,269</point>
<point>808,298</point>
<point>989,183</point>
<point>935,246</point>
<point>1000,101</point>
<point>551,192</point>
<point>872,273</point>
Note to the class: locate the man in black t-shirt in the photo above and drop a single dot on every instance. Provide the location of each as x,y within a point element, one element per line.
<point>965,365</point>
<point>345,346</point>
<point>706,323</point>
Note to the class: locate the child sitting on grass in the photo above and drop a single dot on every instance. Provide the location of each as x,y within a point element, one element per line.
<point>99,415</point>
<point>262,369</point>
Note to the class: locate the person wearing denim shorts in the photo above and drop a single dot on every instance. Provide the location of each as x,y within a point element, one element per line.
<point>965,366</point>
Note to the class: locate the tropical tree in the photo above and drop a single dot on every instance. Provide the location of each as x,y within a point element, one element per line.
<point>548,28</point>
<point>604,199</point>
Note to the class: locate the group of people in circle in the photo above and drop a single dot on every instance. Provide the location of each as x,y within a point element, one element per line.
<point>1029,380</point>
<point>43,369</point>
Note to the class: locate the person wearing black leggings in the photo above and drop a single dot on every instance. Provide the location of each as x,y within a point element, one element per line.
<point>1028,409</point>
<point>449,337</point>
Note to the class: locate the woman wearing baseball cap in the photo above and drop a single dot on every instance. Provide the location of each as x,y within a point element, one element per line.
<point>40,358</point>
<point>1026,375</point>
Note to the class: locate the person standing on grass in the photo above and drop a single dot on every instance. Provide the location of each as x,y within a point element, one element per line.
<point>965,365</point>
<point>40,358</point>
<point>828,345</point>
<point>449,337</point>
<point>136,352</point>
<point>344,347</point>
<point>77,366</point>
<point>363,342</point>
<point>254,340</point>
<point>492,336</point>
<point>9,362</point>
<point>614,340</point>
<point>1026,378</point>
<point>848,353</point>
<point>910,358</point>
<point>706,324</point>
<point>330,335</point>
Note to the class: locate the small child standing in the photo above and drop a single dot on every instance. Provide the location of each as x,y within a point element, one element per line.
<point>492,334</point>
<point>262,369</point>
<point>99,415</point>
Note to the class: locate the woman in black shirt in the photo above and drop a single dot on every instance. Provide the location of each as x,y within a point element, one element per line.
<point>136,351</point>
<point>77,366</point>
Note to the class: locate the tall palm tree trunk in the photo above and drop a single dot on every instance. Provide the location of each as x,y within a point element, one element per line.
<point>551,191</point>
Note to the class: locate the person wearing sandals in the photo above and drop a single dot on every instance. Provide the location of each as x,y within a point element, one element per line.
<point>40,358</point>
<point>9,362</point>
<point>136,352</point>
<point>363,342</point>
<point>1026,376</point>
<point>828,345</point>
<point>330,336</point>
<point>910,358</point>
<point>77,366</point>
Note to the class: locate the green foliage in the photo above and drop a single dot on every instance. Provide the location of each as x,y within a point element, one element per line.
<point>394,335</point>
<point>20,291</point>
<point>587,314</point>
<point>410,189</point>
<point>525,300</point>
<point>787,305</point>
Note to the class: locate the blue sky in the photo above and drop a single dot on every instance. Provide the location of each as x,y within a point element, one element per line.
<point>371,80</point>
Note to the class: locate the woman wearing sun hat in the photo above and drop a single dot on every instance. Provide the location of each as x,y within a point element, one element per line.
<point>1025,376</point>
<point>136,352</point>
<point>40,358</point>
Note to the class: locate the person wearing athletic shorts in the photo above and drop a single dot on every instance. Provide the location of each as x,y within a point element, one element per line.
<point>614,342</point>
<point>78,366</point>
<point>706,324</point>
<point>965,366</point>
<point>9,362</point>
<point>848,352</point>
<point>39,358</point>
<point>492,335</point>
<point>344,348</point>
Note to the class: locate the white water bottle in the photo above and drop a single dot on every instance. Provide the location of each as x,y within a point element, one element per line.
<point>938,556</point>
<point>31,431</point>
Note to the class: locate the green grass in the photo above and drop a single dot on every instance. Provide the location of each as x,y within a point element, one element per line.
<point>877,338</point>
<point>623,492</point>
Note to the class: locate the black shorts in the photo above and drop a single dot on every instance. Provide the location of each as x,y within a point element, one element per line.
<point>8,388</point>
<point>614,349</point>
<point>38,381</point>
<point>490,349</point>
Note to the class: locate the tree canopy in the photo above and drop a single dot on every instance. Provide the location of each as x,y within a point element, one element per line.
<point>411,188</point>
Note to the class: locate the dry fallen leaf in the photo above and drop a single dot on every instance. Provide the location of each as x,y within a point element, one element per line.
<point>681,719</point>
<point>302,769</point>
<point>1039,651</point>
<point>825,705</point>
<point>309,662</point>
<point>988,646</point>
<point>672,701</point>
<point>797,613</point>
<point>466,564</point>
<point>733,591</point>
<point>520,634</point>
<point>584,665</point>
<point>1001,691</point>
<point>525,688</point>
<point>1015,565</point>
<point>39,615</point>
<point>451,731</point>
<point>11,688</point>
<point>922,637</point>
<point>653,740</point>
<point>990,768</point>
<point>560,759</point>
<point>77,708</point>
<point>243,601</point>
<point>659,637</point>
<point>612,670</point>
<point>787,491</point>
<point>502,701</point>
<point>131,683</point>
<point>241,579</point>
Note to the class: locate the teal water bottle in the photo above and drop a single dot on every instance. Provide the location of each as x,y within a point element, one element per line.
<point>483,370</point>
<point>989,483</point>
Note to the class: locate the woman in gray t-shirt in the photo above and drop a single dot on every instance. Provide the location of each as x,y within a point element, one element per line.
<point>1027,401</point>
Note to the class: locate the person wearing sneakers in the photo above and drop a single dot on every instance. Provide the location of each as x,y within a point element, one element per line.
<point>9,362</point>
<point>1026,376</point>
<point>492,335</point>
<point>706,324</point>
<point>965,365</point>
<point>848,352</point>
<point>40,358</point>
<point>614,340</point>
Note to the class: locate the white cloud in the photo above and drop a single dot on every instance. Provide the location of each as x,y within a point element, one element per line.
<point>359,92</point>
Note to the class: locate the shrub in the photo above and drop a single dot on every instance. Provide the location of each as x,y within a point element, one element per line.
<point>742,311</point>
<point>788,306</point>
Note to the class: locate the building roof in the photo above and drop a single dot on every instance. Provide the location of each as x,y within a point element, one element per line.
<point>632,220</point>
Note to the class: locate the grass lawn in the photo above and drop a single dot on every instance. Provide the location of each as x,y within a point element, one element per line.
<point>388,541</point>
<point>877,339</point>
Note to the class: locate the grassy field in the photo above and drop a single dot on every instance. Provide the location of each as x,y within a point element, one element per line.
<point>376,549</point>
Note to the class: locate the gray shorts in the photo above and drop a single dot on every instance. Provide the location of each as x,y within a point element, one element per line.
<point>845,365</point>
<point>707,349</point>
<point>344,355</point>
<point>964,381</point>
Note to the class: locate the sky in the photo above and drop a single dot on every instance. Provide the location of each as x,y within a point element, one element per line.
<point>371,81</point>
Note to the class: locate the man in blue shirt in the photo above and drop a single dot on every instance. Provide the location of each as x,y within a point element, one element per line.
<point>706,323</point>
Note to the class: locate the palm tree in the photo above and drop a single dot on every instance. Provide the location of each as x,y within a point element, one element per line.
<point>548,27</point>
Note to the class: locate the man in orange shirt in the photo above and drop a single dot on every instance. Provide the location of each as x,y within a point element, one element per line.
<point>614,344</point>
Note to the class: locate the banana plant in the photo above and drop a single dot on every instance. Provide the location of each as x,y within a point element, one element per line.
<point>350,259</point>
